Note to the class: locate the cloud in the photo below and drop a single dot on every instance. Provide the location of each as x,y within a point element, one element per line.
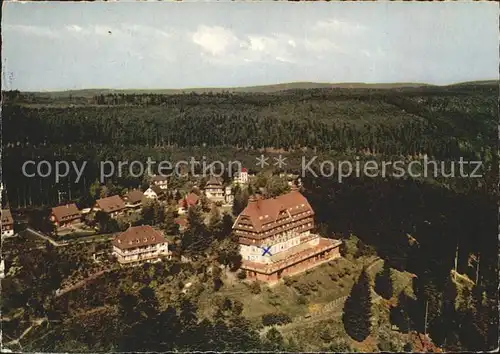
<point>124,30</point>
<point>29,30</point>
<point>215,40</point>
<point>74,28</point>
<point>338,27</point>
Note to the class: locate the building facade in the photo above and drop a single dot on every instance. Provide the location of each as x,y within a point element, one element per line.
<point>214,190</point>
<point>241,177</point>
<point>229,197</point>
<point>113,205</point>
<point>65,215</point>
<point>133,199</point>
<point>160,181</point>
<point>140,244</point>
<point>153,192</point>
<point>7,223</point>
<point>276,240</point>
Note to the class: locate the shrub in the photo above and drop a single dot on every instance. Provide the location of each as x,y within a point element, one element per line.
<point>255,287</point>
<point>242,275</point>
<point>408,347</point>
<point>302,300</point>
<point>334,277</point>
<point>288,281</point>
<point>364,250</point>
<point>302,288</point>
<point>277,318</point>
<point>325,334</point>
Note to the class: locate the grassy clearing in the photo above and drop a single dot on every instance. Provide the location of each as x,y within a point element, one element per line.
<point>304,293</point>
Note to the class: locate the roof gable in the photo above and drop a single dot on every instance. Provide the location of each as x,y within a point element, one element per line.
<point>138,236</point>
<point>263,211</point>
<point>66,212</point>
<point>111,204</point>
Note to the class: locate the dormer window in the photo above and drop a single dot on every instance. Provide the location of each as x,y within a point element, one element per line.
<point>145,239</point>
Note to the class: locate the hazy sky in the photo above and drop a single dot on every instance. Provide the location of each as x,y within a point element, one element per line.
<point>55,46</point>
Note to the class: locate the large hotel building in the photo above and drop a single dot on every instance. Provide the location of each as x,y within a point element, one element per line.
<point>276,240</point>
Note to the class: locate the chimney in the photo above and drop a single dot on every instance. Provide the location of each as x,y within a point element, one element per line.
<point>252,199</point>
<point>294,187</point>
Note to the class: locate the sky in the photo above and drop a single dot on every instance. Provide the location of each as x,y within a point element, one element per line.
<point>152,45</point>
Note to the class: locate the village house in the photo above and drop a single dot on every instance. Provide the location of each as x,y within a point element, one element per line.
<point>133,199</point>
<point>228,196</point>
<point>113,205</point>
<point>160,181</point>
<point>275,237</point>
<point>153,192</point>
<point>241,177</point>
<point>182,222</point>
<point>7,223</point>
<point>2,269</point>
<point>65,215</point>
<point>188,201</point>
<point>140,244</point>
<point>214,190</point>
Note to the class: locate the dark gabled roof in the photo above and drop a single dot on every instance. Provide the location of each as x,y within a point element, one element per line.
<point>265,211</point>
<point>111,204</point>
<point>66,212</point>
<point>134,196</point>
<point>138,236</point>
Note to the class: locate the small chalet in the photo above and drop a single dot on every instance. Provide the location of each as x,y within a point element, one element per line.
<point>160,181</point>
<point>154,192</point>
<point>113,205</point>
<point>140,244</point>
<point>133,198</point>
<point>7,223</point>
<point>214,190</point>
<point>65,215</point>
<point>187,202</point>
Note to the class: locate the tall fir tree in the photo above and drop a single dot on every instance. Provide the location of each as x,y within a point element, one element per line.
<point>357,309</point>
<point>383,282</point>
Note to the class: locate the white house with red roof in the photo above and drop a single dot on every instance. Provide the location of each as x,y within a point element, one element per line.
<point>241,177</point>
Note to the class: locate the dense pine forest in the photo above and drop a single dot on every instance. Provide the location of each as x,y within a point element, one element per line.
<point>421,226</point>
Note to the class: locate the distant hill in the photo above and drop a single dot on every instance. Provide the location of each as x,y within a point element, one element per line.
<point>255,89</point>
<point>249,89</point>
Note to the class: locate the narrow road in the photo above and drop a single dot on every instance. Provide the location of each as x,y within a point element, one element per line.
<point>45,237</point>
<point>34,323</point>
<point>80,240</point>
<point>82,282</point>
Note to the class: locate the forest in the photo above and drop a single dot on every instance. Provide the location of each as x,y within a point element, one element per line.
<point>421,226</point>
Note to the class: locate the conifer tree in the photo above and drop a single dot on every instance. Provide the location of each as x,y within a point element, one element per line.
<point>383,282</point>
<point>357,309</point>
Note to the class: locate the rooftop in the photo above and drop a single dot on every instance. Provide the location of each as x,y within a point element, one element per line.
<point>264,211</point>
<point>65,212</point>
<point>134,196</point>
<point>138,236</point>
<point>110,204</point>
